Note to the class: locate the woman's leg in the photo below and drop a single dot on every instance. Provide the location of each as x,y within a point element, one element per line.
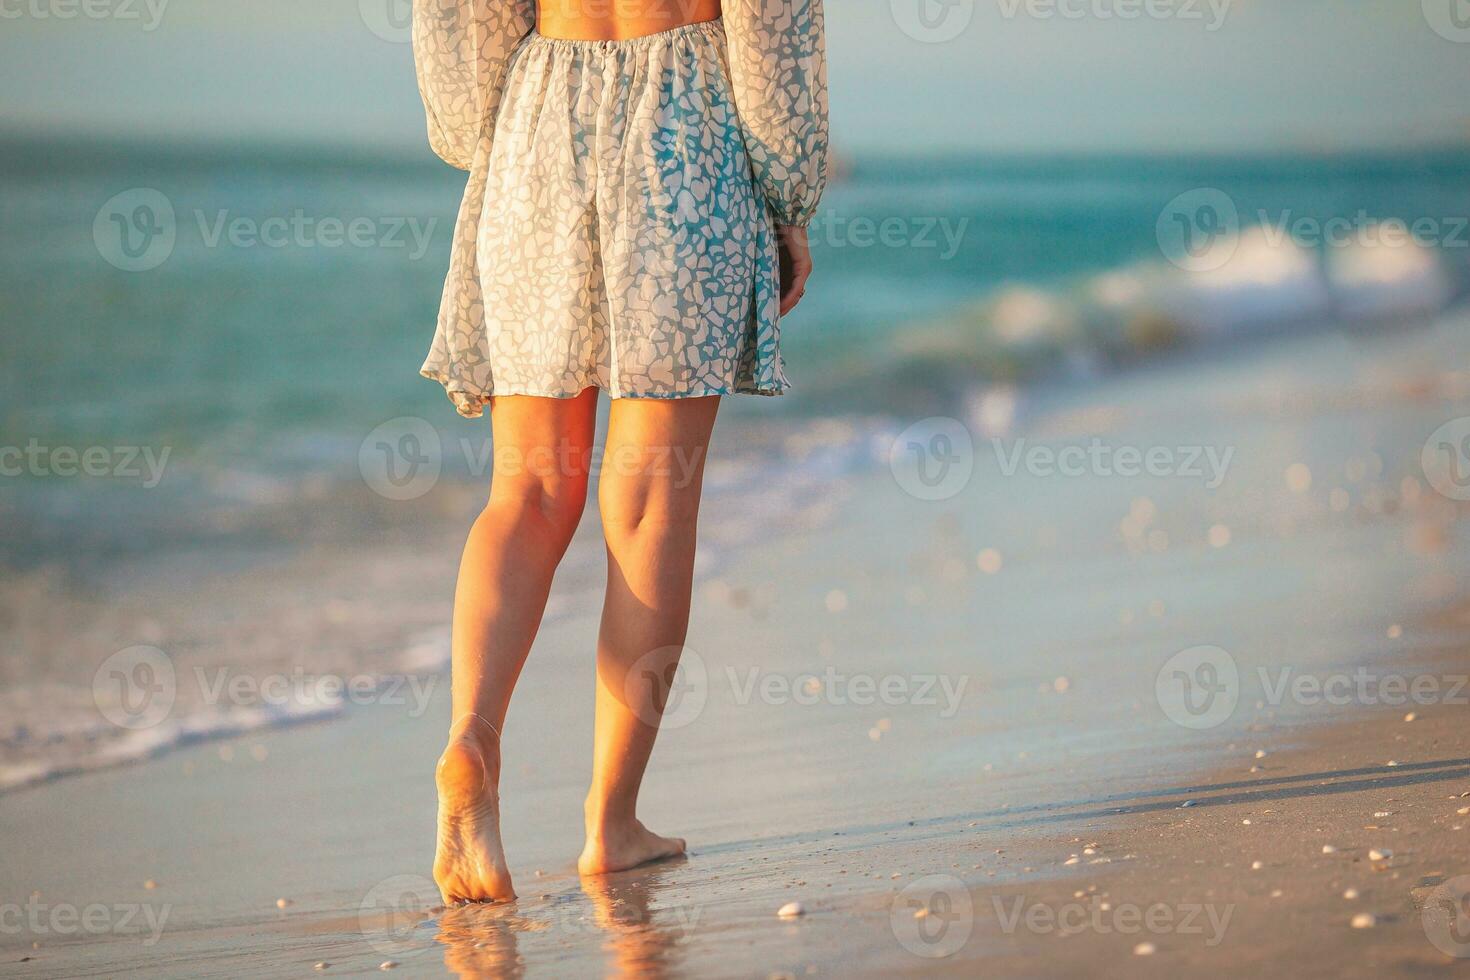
<point>537,492</point>
<point>648,494</point>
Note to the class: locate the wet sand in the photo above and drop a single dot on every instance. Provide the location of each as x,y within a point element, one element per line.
<point>1329,861</point>
<point>916,708</point>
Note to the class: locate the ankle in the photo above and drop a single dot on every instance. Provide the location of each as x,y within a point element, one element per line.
<point>601,817</point>
<point>479,732</point>
<point>470,762</point>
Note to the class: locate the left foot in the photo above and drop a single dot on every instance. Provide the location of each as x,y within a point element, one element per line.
<point>469,862</point>
<point>618,847</point>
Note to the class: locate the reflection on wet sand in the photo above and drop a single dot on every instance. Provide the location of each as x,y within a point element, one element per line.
<point>481,940</point>
<point>641,936</point>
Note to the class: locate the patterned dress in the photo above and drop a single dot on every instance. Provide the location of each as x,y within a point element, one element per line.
<point>618,225</point>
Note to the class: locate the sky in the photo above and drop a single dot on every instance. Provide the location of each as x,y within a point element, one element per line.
<point>907,76</point>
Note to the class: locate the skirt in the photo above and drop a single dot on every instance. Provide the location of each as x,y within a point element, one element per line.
<point>621,241</point>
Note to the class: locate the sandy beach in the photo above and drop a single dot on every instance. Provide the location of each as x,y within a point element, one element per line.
<point>956,732</point>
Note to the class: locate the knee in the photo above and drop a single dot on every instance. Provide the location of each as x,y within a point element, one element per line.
<point>549,507</point>
<point>635,514</point>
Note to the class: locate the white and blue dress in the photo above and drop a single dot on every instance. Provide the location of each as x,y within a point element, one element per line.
<point>618,225</point>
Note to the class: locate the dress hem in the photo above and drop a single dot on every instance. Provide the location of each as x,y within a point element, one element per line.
<point>471,404</point>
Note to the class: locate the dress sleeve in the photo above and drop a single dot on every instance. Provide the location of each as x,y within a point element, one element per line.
<point>460,50</point>
<point>778,70</point>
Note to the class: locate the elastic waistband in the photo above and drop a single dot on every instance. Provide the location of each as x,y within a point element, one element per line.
<point>705,28</point>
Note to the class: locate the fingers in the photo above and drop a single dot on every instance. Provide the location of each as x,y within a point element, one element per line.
<point>796,265</point>
<point>796,288</point>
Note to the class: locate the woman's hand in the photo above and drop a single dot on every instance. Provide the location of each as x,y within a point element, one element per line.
<point>796,265</point>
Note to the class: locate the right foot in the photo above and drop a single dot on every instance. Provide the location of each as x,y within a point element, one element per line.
<point>469,862</point>
<point>629,844</point>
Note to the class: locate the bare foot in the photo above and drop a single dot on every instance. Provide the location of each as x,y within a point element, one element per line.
<point>469,862</point>
<point>617,847</point>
